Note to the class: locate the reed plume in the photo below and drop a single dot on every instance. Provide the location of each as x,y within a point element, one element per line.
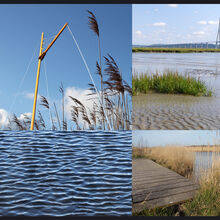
<point>18,122</point>
<point>64,121</point>
<point>113,108</point>
<point>45,103</point>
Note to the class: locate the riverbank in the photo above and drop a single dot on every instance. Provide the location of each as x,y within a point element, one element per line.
<point>204,148</point>
<point>169,82</point>
<point>177,159</point>
<point>207,199</point>
<point>174,50</point>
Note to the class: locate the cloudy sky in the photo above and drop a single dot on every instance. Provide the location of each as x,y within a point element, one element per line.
<point>152,138</point>
<point>21,28</point>
<point>174,23</point>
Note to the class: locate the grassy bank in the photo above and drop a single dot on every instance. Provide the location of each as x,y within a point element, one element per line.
<point>206,202</point>
<point>177,159</point>
<point>174,50</point>
<point>205,148</point>
<point>169,82</point>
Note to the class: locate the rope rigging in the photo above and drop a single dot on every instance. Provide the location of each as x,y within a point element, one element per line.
<point>90,75</point>
<point>40,58</point>
<point>21,83</point>
<point>45,73</point>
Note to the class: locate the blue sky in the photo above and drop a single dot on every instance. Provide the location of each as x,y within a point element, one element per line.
<point>174,23</point>
<point>21,28</point>
<point>152,138</point>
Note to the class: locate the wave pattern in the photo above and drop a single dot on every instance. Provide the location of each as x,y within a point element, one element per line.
<point>65,173</point>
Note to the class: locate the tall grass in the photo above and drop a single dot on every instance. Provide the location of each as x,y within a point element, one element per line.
<point>169,82</point>
<point>114,107</point>
<point>177,159</point>
<point>206,201</point>
<point>204,148</point>
<point>174,50</point>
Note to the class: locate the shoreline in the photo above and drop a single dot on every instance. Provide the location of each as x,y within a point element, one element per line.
<point>205,201</point>
<point>174,50</point>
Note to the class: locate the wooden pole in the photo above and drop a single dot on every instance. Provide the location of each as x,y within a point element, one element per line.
<point>40,58</point>
<point>44,53</point>
<point>36,85</point>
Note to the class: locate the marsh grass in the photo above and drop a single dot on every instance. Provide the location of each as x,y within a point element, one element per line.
<point>174,50</point>
<point>113,111</point>
<point>205,148</point>
<point>170,83</point>
<point>177,159</point>
<point>206,201</point>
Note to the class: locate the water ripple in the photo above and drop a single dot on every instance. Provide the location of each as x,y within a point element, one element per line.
<point>65,173</point>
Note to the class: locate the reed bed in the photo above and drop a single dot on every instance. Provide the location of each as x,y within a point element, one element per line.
<point>203,148</point>
<point>206,201</point>
<point>169,82</point>
<point>177,159</point>
<point>174,50</point>
<point>112,112</point>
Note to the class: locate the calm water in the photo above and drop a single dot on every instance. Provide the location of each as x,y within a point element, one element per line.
<point>203,162</point>
<point>162,111</point>
<point>65,173</point>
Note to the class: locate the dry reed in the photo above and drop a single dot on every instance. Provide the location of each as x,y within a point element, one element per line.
<point>114,91</point>
<point>177,159</point>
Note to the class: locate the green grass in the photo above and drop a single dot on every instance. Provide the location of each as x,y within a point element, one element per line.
<point>170,83</point>
<point>174,50</point>
<point>164,211</point>
<point>206,202</point>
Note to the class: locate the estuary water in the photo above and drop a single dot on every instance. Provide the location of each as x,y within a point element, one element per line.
<point>65,173</point>
<point>163,111</point>
<point>204,162</point>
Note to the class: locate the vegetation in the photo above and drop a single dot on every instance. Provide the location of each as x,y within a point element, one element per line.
<point>112,111</point>
<point>169,82</point>
<point>206,202</point>
<point>177,159</point>
<point>205,148</point>
<point>174,50</point>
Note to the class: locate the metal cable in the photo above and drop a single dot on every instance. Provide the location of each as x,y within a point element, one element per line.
<point>89,75</point>
<point>45,72</point>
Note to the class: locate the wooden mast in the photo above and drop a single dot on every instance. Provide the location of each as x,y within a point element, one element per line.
<point>40,58</point>
<point>36,85</point>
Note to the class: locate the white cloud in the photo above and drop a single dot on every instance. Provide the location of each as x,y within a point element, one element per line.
<point>196,12</point>
<point>30,95</point>
<point>138,33</point>
<point>22,116</point>
<point>207,22</point>
<point>173,5</point>
<point>159,24</point>
<point>156,9</point>
<point>199,33</point>
<point>202,22</point>
<point>3,118</point>
<point>82,96</point>
<point>212,22</point>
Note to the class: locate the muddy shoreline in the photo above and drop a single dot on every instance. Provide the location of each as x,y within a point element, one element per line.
<point>165,111</point>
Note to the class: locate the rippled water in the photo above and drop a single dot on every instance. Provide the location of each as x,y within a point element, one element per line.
<point>163,111</point>
<point>65,173</point>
